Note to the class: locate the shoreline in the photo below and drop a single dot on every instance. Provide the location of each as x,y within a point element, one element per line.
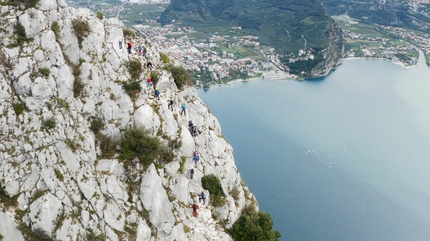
<point>274,75</point>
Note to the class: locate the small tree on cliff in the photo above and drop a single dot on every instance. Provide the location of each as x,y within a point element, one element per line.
<point>254,226</point>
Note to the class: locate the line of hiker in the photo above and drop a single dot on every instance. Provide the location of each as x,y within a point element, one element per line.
<point>141,50</point>
<point>194,206</point>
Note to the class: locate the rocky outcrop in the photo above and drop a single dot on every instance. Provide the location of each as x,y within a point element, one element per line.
<point>54,181</point>
<point>333,54</point>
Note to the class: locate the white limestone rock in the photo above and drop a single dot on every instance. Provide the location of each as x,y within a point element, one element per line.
<point>44,212</point>
<point>8,228</point>
<point>155,200</point>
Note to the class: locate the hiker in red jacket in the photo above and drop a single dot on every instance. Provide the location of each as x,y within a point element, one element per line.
<point>195,207</point>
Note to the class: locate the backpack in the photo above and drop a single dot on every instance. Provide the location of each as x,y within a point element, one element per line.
<point>203,195</point>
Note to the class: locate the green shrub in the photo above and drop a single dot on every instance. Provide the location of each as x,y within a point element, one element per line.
<point>256,226</point>
<point>180,75</point>
<point>132,88</point>
<point>155,76</point>
<point>134,68</point>
<point>137,143</point>
<point>6,200</point>
<point>63,104</point>
<point>97,125</point>
<point>44,72</point>
<point>18,108</point>
<point>27,3</point>
<point>164,58</point>
<point>48,123</point>
<point>55,27</point>
<point>78,87</point>
<point>213,184</point>
<point>21,35</point>
<point>128,33</point>
<point>59,174</point>
<point>107,146</point>
<point>82,29</point>
<point>72,144</point>
<point>100,15</point>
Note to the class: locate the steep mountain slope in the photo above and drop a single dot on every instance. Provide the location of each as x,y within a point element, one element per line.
<point>63,107</point>
<point>287,25</point>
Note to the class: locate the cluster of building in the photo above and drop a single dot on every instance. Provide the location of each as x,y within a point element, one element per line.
<point>211,54</point>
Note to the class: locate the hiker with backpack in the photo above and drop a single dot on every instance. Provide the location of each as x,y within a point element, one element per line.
<point>194,131</point>
<point>149,65</point>
<point>157,93</point>
<point>202,196</point>
<point>195,207</point>
<point>120,43</point>
<point>170,105</point>
<point>196,157</point>
<point>129,47</point>
<point>183,107</point>
<point>149,82</point>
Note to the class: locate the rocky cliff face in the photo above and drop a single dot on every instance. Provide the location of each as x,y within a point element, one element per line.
<point>333,54</point>
<point>54,183</point>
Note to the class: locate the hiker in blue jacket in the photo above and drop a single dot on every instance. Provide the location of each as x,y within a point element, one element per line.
<point>202,196</point>
<point>157,93</point>
<point>184,107</point>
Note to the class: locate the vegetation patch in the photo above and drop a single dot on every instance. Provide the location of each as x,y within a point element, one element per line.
<point>134,68</point>
<point>6,200</point>
<point>132,88</point>
<point>18,108</point>
<point>44,72</point>
<point>164,58</point>
<point>72,144</point>
<point>255,226</point>
<point>97,125</point>
<point>137,143</point>
<point>108,146</point>
<point>181,76</point>
<point>212,183</point>
<point>49,123</point>
<point>55,27</point>
<point>100,15</point>
<point>155,77</point>
<point>82,29</point>
<point>63,104</point>
<point>59,175</point>
<point>128,33</point>
<point>21,35</point>
<point>27,3</point>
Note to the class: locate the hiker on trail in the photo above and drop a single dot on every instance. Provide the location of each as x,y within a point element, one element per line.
<point>139,50</point>
<point>195,207</point>
<point>183,107</point>
<point>170,105</point>
<point>120,43</point>
<point>129,47</point>
<point>149,82</point>
<point>191,173</point>
<point>194,131</point>
<point>144,52</point>
<point>202,196</point>
<point>196,157</point>
<point>157,93</point>
<point>149,65</point>
<point>190,124</point>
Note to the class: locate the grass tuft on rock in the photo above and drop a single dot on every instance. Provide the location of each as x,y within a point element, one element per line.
<point>212,183</point>
<point>82,29</point>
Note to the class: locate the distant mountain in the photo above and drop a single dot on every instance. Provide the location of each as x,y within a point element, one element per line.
<point>287,25</point>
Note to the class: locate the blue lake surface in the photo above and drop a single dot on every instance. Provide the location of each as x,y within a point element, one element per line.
<point>345,157</point>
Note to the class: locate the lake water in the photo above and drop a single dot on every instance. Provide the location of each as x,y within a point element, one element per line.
<point>345,157</point>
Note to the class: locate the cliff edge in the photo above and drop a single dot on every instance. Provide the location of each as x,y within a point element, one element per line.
<point>62,97</point>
